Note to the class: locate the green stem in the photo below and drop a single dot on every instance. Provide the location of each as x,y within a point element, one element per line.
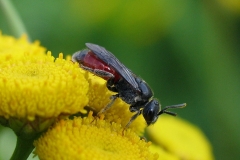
<point>13,18</point>
<point>23,149</point>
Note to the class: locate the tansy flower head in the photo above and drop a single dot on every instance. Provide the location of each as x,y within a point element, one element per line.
<point>40,86</point>
<point>36,87</point>
<point>180,139</point>
<point>91,139</point>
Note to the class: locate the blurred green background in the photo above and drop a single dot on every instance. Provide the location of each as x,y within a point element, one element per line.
<point>187,50</point>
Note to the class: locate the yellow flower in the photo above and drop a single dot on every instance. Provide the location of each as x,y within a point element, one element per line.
<point>40,86</point>
<point>12,48</point>
<point>180,139</point>
<point>86,138</point>
<point>99,97</point>
<point>35,87</point>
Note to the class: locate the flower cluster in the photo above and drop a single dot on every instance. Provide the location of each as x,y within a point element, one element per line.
<point>40,93</point>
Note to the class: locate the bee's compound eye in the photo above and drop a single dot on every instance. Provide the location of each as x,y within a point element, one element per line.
<point>150,111</point>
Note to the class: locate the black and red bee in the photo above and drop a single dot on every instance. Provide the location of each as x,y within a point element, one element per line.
<point>129,87</point>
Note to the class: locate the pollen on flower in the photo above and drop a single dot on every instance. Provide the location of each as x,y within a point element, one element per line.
<point>35,84</point>
<point>99,97</point>
<point>83,138</point>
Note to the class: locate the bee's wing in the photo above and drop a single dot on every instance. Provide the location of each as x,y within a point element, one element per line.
<point>112,61</point>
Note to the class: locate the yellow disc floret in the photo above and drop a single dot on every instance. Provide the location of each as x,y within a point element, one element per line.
<point>91,139</point>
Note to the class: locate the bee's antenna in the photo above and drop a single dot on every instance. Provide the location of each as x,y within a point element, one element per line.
<point>164,110</point>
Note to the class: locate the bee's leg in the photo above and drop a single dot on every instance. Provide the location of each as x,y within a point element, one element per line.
<point>98,72</point>
<point>133,118</point>
<point>113,98</point>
